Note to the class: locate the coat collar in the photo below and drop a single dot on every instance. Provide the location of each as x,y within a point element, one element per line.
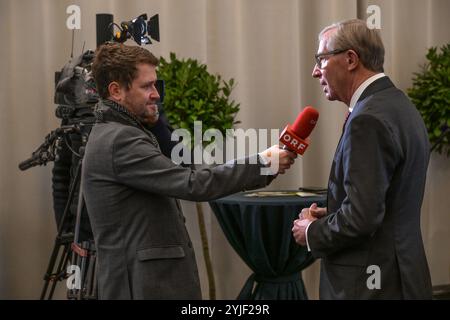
<point>374,87</point>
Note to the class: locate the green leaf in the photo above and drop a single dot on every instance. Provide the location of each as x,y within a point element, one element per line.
<point>192,93</point>
<point>431,95</point>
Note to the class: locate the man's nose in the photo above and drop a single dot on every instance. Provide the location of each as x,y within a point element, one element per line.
<point>154,94</point>
<point>316,72</point>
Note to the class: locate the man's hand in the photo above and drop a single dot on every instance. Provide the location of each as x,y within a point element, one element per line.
<point>306,216</point>
<point>299,230</point>
<point>280,160</point>
<point>313,212</point>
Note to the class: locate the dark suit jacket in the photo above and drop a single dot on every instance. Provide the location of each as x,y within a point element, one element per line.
<point>375,194</point>
<point>130,188</point>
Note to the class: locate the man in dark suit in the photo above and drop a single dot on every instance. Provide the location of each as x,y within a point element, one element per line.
<point>131,188</point>
<point>369,235</point>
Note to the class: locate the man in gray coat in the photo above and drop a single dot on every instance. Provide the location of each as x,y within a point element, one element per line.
<point>131,188</point>
<point>369,235</point>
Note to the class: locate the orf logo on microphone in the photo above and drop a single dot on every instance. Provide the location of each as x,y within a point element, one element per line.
<point>292,142</point>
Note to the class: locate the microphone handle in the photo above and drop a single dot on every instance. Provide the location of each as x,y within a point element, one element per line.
<point>27,164</point>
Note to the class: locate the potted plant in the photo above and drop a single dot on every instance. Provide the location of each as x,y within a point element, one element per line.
<point>194,94</point>
<point>431,95</point>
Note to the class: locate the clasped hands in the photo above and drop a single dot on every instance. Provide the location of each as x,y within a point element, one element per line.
<point>306,216</point>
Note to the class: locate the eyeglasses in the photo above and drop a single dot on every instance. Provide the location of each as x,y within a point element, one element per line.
<point>319,56</point>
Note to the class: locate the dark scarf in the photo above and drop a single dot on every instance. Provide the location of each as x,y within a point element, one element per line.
<point>110,111</point>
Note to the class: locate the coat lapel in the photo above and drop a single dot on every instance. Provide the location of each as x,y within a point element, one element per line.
<point>376,86</point>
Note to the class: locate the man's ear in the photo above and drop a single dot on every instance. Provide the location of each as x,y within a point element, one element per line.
<point>115,91</point>
<point>352,60</point>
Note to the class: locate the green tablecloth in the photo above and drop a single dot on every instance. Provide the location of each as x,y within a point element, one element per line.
<point>259,229</point>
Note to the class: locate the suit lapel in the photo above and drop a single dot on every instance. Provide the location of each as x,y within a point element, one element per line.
<point>376,86</point>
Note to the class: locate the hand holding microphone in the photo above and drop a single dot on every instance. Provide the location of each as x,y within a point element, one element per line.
<point>294,140</point>
<point>283,158</point>
<point>294,137</point>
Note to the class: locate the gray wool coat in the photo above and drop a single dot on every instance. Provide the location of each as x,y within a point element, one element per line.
<point>131,191</point>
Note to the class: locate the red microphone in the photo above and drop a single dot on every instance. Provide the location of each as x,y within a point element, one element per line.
<point>293,137</point>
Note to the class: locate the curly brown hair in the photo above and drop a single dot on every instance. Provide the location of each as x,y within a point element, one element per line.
<point>118,62</point>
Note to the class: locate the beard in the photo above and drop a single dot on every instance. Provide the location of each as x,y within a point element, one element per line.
<point>146,112</point>
<point>149,114</point>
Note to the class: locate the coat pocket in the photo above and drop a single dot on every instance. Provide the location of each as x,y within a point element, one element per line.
<point>169,252</point>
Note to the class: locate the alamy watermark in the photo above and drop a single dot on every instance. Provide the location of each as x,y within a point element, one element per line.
<point>238,145</point>
<point>374,280</point>
<point>235,142</point>
<point>74,279</point>
<point>374,20</point>
<point>74,19</point>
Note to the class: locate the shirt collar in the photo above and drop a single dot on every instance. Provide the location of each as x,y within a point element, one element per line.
<point>363,87</point>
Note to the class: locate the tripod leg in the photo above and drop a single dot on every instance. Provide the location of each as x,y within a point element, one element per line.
<point>61,270</point>
<point>83,254</point>
<point>62,239</point>
<point>90,277</point>
<point>52,275</point>
<point>49,273</point>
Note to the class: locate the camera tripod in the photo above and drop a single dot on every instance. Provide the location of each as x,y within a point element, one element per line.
<point>80,273</point>
<point>67,248</point>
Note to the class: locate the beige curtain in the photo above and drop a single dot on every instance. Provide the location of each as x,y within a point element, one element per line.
<point>266,45</point>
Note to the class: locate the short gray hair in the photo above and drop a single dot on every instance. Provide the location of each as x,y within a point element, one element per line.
<point>354,34</point>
